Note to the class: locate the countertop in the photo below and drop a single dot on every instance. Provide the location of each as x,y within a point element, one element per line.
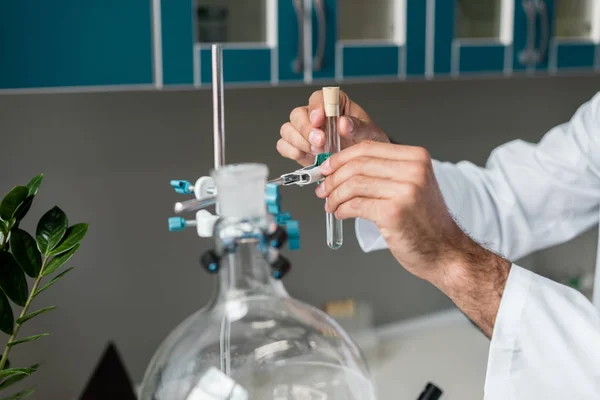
<point>443,348</point>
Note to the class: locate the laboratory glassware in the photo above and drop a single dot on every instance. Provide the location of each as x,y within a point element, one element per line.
<point>331,97</point>
<point>252,332</point>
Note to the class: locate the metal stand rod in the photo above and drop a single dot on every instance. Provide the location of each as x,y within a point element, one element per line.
<point>218,107</point>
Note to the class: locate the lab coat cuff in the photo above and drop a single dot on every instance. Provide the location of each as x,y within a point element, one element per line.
<point>506,329</point>
<point>368,235</point>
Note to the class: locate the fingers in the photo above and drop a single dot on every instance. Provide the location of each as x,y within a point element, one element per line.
<point>289,151</point>
<point>362,186</point>
<point>390,170</point>
<point>358,129</point>
<point>299,120</point>
<point>291,135</point>
<point>360,207</point>
<point>311,133</point>
<point>377,150</point>
<point>316,110</point>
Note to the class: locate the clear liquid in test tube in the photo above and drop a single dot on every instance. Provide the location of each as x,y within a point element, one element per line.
<point>331,97</point>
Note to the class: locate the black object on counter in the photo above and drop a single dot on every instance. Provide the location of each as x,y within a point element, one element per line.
<point>110,379</point>
<point>431,392</point>
<point>212,24</point>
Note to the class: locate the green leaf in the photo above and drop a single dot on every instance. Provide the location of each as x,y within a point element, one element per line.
<point>34,314</point>
<point>34,184</point>
<point>59,260</point>
<point>12,201</point>
<point>25,250</point>
<point>12,380</point>
<point>23,209</point>
<point>27,339</point>
<point>51,229</point>
<point>53,281</point>
<point>21,395</point>
<point>17,378</point>
<point>7,320</point>
<point>15,371</point>
<point>73,236</point>
<point>12,279</point>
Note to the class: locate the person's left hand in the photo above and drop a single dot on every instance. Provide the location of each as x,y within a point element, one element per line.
<point>394,186</point>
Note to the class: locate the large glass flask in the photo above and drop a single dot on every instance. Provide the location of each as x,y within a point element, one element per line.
<point>252,332</point>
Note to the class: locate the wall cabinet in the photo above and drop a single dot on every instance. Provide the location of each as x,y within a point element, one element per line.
<point>157,44</point>
<point>74,43</point>
<point>505,37</point>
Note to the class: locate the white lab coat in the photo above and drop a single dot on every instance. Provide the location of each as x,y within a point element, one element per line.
<point>546,341</point>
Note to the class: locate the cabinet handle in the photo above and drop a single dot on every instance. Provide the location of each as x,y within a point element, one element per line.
<point>528,55</point>
<point>321,17</point>
<point>542,9</point>
<point>298,63</point>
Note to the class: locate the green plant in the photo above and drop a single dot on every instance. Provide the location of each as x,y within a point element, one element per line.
<point>20,254</point>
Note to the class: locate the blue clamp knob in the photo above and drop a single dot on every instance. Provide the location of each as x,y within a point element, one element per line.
<point>176,224</point>
<point>182,187</point>
<point>293,231</point>
<point>281,218</point>
<point>273,199</point>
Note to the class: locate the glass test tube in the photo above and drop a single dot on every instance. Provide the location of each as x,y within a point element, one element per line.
<point>331,96</point>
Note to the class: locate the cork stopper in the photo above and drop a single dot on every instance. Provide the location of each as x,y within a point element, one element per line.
<point>331,98</point>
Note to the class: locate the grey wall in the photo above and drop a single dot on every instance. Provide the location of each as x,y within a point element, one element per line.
<point>108,159</point>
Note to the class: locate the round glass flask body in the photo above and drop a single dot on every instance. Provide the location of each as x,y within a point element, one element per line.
<point>259,342</point>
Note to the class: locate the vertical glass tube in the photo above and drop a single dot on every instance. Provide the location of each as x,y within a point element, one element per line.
<point>335,233</point>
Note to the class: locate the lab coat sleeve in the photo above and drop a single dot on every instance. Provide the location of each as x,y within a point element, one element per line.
<point>528,196</point>
<point>546,342</point>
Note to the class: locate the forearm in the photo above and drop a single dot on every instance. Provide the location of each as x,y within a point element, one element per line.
<point>474,279</point>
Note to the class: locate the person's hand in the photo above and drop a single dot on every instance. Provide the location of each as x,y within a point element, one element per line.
<point>302,138</point>
<point>395,187</point>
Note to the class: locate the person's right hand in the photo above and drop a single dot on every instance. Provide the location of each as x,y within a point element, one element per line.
<point>303,137</point>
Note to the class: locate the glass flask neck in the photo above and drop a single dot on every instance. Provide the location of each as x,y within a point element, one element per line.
<point>245,272</point>
<point>241,233</point>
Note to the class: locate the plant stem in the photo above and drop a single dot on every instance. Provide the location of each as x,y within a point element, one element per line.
<point>37,282</point>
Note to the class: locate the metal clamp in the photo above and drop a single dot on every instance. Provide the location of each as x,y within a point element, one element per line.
<point>304,176</point>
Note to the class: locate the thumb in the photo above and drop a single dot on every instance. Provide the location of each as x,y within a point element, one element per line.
<point>357,129</point>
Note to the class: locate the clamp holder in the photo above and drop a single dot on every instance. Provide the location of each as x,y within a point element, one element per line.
<point>304,176</point>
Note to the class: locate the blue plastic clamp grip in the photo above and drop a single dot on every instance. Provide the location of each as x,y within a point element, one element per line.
<point>176,224</point>
<point>212,267</point>
<point>281,218</point>
<point>182,187</point>
<point>273,199</point>
<point>293,232</point>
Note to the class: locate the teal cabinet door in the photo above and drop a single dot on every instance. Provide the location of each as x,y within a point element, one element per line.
<point>177,42</point>
<point>323,29</point>
<point>380,39</point>
<point>291,27</point>
<point>468,37</point>
<point>258,38</point>
<point>74,43</point>
<point>533,29</point>
<point>575,36</point>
